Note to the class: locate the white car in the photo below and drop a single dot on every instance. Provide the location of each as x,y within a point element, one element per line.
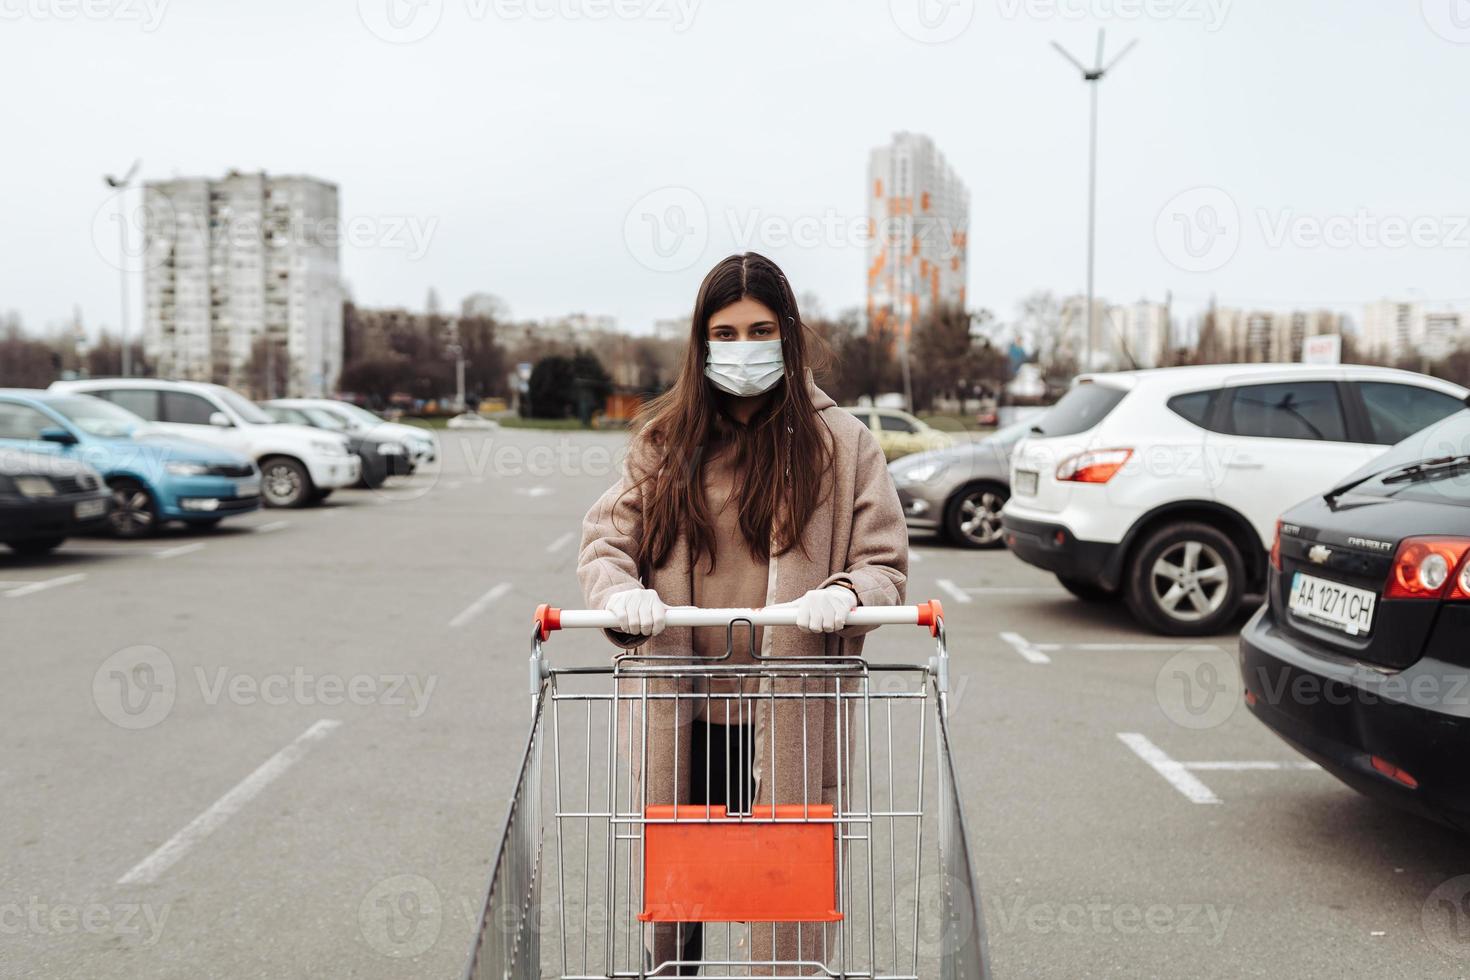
<point>422,447</point>
<point>1165,485</point>
<point>298,464</point>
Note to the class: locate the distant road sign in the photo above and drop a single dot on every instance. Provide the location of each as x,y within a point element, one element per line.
<point>1322,349</point>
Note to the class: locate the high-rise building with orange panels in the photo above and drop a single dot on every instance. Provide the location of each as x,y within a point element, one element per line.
<point>918,230</point>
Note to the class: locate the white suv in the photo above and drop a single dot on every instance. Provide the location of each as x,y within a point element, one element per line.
<point>298,464</point>
<point>1165,485</point>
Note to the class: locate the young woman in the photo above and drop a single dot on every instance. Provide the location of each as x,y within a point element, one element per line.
<point>745,486</point>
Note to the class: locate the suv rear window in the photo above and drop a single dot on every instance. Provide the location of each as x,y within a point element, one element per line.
<point>1193,407</point>
<point>1397,411</point>
<point>1080,409</point>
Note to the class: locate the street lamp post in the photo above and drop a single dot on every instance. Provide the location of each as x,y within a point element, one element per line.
<point>121,185</point>
<point>1092,76</point>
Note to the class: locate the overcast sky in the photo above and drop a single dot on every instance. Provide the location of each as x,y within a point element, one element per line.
<point>1273,152</point>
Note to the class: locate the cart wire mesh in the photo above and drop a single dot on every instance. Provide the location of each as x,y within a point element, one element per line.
<point>568,897</point>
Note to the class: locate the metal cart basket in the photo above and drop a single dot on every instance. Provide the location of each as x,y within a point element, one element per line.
<point>774,873</point>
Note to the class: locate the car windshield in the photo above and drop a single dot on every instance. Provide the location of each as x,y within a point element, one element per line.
<point>97,417</point>
<point>361,415</point>
<point>323,419</point>
<point>282,413</point>
<point>244,407</point>
<point>1444,481</point>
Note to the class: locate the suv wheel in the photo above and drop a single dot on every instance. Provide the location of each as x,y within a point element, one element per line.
<point>285,483</point>
<point>972,518</point>
<point>133,514</point>
<point>1185,580</point>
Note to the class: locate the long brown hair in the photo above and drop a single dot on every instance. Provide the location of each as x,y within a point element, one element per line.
<point>780,459</point>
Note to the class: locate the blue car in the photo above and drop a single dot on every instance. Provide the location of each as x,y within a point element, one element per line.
<point>154,478</point>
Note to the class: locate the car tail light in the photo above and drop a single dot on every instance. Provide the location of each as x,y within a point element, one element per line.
<point>1093,466</point>
<point>1276,547</point>
<point>1429,568</point>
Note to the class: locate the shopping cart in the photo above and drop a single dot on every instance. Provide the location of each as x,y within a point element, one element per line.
<point>869,878</point>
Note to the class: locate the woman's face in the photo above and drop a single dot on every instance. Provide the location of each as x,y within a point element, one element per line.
<point>747,319</point>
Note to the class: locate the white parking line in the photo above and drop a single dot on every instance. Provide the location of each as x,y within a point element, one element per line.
<point>561,542</point>
<point>1026,648</point>
<point>1180,774</point>
<point>1172,771</point>
<point>41,586</point>
<point>478,606</point>
<point>183,549</point>
<point>534,491</point>
<point>155,864</point>
<point>915,556</point>
<point>272,526</point>
<point>453,485</point>
<point>956,593</point>
<point>1300,765</point>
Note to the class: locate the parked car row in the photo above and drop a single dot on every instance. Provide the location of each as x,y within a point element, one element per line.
<point>1176,490</point>
<point>134,454</point>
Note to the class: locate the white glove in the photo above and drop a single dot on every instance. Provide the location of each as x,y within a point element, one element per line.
<point>640,612</point>
<point>825,610</point>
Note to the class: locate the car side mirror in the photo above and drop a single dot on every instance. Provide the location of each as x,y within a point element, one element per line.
<point>221,420</point>
<point>59,436</point>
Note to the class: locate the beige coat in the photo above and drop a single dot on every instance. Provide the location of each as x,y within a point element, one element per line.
<point>857,535</point>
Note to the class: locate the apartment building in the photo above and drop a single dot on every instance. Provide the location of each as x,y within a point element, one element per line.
<point>237,261</point>
<point>918,230</point>
<point>1270,336</point>
<point>1395,331</point>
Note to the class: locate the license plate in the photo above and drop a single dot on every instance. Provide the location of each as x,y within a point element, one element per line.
<point>247,488</point>
<point>1026,481</point>
<point>90,508</point>
<point>1333,604</point>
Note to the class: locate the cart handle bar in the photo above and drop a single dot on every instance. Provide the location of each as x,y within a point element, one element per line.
<point>928,614</point>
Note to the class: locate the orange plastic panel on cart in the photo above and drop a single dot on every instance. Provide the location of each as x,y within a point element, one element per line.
<point>740,871</point>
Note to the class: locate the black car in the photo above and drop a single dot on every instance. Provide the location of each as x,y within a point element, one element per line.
<point>381,458</point>
<point>44,500</point>
<point>1361,657</point>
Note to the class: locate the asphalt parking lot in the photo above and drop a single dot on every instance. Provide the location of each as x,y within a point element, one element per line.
<point>283,749</point>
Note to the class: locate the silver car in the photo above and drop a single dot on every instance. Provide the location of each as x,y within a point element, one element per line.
<point>960,491</point>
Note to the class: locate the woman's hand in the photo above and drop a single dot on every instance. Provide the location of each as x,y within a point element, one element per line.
<point>825,610</point>
<point>640,612</point>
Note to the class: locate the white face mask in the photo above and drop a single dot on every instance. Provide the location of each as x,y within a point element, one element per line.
<point>744,367</point>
